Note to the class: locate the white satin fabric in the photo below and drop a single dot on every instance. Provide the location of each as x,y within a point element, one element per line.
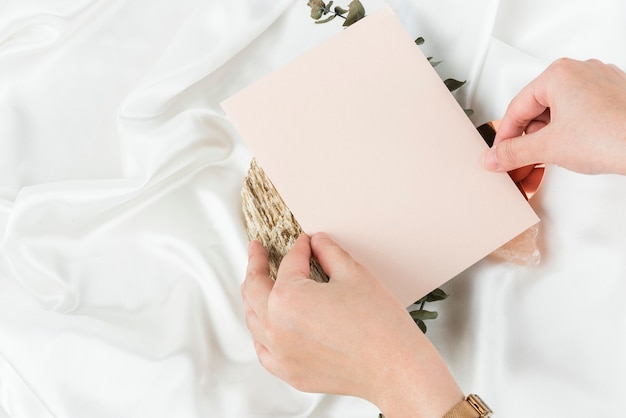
<point>122,241</point>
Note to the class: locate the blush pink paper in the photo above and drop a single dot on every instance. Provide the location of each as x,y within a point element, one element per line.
<point>363,140</point>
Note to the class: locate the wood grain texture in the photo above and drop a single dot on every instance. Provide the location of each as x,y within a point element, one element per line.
<point>269,220</point>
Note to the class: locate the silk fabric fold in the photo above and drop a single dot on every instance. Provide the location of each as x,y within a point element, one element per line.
<point>122,238</point>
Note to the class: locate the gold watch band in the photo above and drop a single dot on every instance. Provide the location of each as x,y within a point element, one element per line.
<point>471,407</point>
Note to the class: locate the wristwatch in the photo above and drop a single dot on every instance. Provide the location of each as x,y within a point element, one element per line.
<point>471,407</point>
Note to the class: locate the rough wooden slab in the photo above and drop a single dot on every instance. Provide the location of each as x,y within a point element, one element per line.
<point>270,221</point>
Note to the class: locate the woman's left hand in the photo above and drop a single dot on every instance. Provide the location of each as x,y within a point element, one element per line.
<point>348,336</point>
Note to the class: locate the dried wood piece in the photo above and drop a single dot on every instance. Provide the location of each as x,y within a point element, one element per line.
<point>269,220</point>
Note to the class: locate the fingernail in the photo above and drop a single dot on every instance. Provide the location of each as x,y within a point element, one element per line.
<point>319,235</point>
<point>490,160</point>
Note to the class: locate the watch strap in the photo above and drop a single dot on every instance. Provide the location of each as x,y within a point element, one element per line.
<point>471,407</point>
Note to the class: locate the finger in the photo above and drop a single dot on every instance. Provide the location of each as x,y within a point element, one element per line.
<point>256,327</point>
<point>258,260</point>
<point>519,174</point>
<point>530,104</point>
<point>519,152</point>
<point>525,127</point>
<point>296,263</point>
<point>330,255</point>
<point>258,284</point>
<point>266,358</point>
<point>538,123</point>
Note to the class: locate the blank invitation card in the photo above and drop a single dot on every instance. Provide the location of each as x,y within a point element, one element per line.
<point>364,141</point>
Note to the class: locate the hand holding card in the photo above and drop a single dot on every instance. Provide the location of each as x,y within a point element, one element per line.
<point>386,161</point>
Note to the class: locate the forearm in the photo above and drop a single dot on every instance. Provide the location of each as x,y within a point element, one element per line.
<point>362,342</point>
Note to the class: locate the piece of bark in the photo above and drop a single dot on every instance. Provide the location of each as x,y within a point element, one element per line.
<point>269,220</point>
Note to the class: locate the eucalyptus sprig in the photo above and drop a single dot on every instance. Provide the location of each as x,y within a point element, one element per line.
<point>356,12</point>
<point>420,314</point>
<point>451,83</point>
<point>352,14</point>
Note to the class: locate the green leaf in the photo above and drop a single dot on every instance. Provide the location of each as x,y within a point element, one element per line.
<point>453,84</point>
<point>356,12</point>
<point>423,314</point>
<point>340,10</point>
<point>419,41</point>
<point>317,8</point>
<point>328,19</point>
<point>316,13</point>
<point>420,301</point>
<point>436,295</point>
<point>433,63</point>
<point>422,326</point>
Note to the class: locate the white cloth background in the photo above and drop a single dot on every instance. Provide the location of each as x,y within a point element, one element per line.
<point>123,246</point>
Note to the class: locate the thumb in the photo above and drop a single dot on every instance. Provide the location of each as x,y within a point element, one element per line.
<point>332,258</point>
<point>517,152</point>
<point>296,263</point>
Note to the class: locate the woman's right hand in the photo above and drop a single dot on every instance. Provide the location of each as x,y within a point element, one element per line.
<point>572,115</point>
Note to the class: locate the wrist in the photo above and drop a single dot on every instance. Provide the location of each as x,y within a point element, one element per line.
<point>420,385</point>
